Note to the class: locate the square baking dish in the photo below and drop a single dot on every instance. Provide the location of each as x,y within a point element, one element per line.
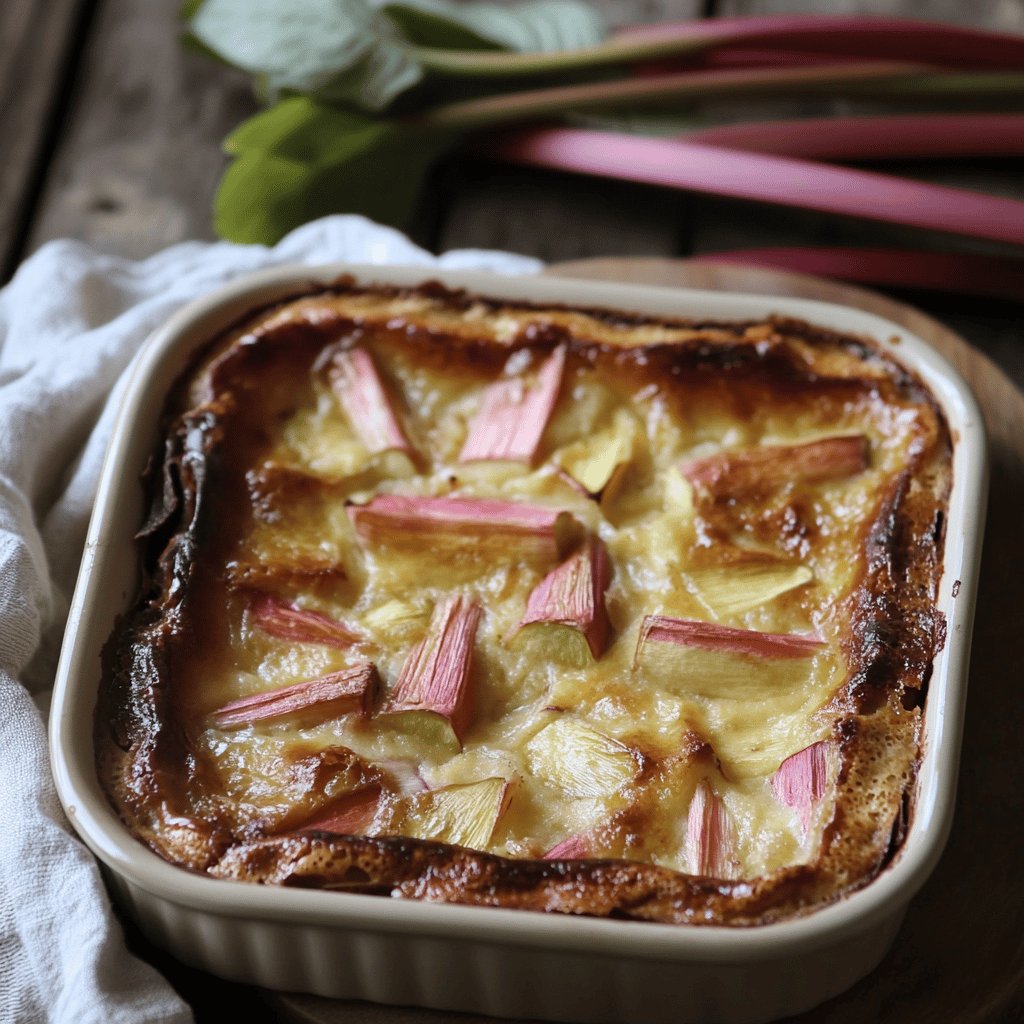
<point>510,963</point>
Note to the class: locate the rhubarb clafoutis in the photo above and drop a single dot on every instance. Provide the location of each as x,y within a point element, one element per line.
<point>578,611</point>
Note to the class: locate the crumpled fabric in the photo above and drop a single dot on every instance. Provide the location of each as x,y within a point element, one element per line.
<point>71,320</point>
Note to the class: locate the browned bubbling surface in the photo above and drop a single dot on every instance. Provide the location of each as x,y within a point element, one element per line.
<point>252,498</point>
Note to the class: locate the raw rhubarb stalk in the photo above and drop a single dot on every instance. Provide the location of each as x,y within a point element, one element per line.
<point>513,416</point>
<point>962,273</point>
<point>801,780</point>
<point>711,637</point>
<point>340,693</point>
<point>361,392</point>
<point>352,815</point>
<point>517,529</point>
<point>572,595</point>
<point>435,676</point>
<point>287,622</point>
<point>732,474</point>
<point>893,137</point>
<point>571,848</point>
<point>709,838</point>
<point>765,178</point>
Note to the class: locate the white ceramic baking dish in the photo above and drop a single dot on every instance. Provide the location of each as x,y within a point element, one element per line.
<point>502,962</point>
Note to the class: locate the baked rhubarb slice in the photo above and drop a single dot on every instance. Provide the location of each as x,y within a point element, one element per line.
<point>709,834</point>
<point>709,636</point>
<point>466,814</point>
<point>570,602</point>
<point>514,414</point>
<point>435,677</point>
<point>574,847</point>
<point>732,588</point>
<point>739,474</point>
<point>801,780</point>
<point>350,691</point>
<point>579,759</point>
<point>359,389</point>
<point>286,621</point>
<point>424,523</point>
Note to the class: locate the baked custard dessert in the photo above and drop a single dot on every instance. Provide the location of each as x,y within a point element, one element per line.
<point>465,600</point>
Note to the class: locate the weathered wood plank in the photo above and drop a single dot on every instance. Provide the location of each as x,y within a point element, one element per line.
<point>562,217</point>
<point>140,160</point>
<point>37,41</point>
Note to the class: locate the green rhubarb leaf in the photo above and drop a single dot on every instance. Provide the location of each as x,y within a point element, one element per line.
<point>536,26</point>
<point>342,50</point>
<point>303,159</point>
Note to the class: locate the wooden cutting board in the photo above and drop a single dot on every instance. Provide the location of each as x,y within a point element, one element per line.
<point>960,954</point>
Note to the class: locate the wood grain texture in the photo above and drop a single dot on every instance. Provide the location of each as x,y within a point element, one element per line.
<point>141,157</point>
<point>959,956</point>
<point>37,41</point>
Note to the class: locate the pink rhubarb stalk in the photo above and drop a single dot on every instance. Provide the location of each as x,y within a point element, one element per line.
<point>734,473</point>
<point>512,418</point>
<point>709,636</point>
<point>287,622</point>
<point>352,815</point>
<point>709,839</point>
<point>573,595</point>
<point>522,529</point>
<point>435,676</point>
<point>340,693</point>
<point>801,780</point>
<point>959,273</point>
<point>361,392</point>
<point>893,137</point>
<point>571,848</point>
<point>765,178</point>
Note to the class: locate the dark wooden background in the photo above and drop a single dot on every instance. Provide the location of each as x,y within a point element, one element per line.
<point>110,132</point>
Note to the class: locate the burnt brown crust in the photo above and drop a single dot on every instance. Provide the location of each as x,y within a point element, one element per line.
<point>155,781</point>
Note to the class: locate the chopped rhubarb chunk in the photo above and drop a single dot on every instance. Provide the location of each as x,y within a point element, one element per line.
<point>732,588</point>
<point>465,814</point>
<point>571,848</point>
<point>352,815</point>
<point>734,474</point>
<point>709,839</point>
<point>435,676</point>
<point>512,527</point>
<point>286,622</point>
<point>340,693</point>
<point>361,393</point>
<point>512,419</point>
<point>712,637</point>
<point>801,780</point>
<point>572,595</point>
<point>579,759</point>
<point>593,461</point>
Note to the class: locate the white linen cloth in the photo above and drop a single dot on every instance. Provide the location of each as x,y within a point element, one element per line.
<point>70,321</point>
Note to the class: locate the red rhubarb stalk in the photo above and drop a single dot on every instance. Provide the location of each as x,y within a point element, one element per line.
<point>733,473</point>
<point>287,622</point>
<point>573,595</point>
<point>361,392</point>
<point>708,834</point>
<point>765,178</point>
<point>894,137</point>
<point>956,273</point>
<point>710,636</point>
<point>352,815</point>
<point>435,676</point>
<point>525,529</point>
<point>864,36</point>
<point>340,693</point>
<point>512,418</point>
<point>571,848</point>
<point>801,779</point>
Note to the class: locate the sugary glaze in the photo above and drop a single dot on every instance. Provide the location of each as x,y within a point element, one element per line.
<point>774,478</point>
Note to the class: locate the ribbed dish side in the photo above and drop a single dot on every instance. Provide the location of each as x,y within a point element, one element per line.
<point>503,981</point>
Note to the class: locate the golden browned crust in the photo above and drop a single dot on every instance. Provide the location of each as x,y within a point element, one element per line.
<point>157,780</point>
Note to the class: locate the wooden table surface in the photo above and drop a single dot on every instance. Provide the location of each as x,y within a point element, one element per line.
<point>111,134</point>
